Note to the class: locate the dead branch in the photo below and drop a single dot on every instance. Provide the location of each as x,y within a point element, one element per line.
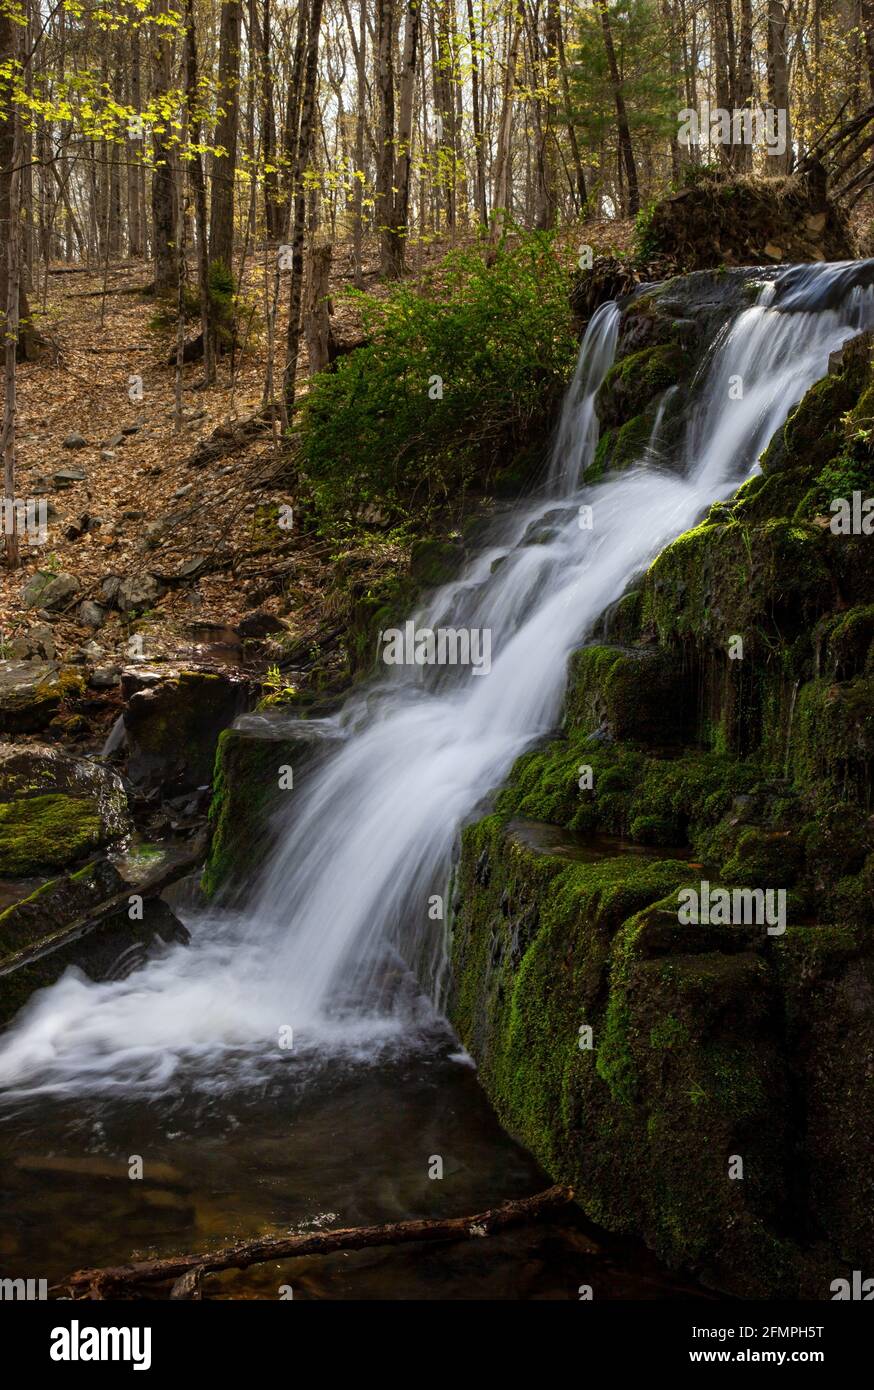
<point>186,1271</point>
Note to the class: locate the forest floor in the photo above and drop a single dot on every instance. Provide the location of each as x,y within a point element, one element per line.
<point>182,505</point>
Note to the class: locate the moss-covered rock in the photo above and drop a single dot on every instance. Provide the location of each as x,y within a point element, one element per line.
<point>634,693</point>
<point>251,786</point>
<point>54,809</point>
<point>33,692</point>
<point>730,732</point>
<point>633,381</point>
<point>684,1072</point>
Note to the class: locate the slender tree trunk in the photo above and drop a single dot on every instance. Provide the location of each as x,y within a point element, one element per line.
<point>778,80</point>
<point>12,263</point>
<point>360,122</point>
<point>503,196</point>
<point>163,184</point>
<point>25,335</point>
<point>582,192</point>
<point>198,184</point>
<point>401,193</point>
<point>626,151</point>
<point>221,222</point>
<point>744,95</point>
<point>385,139</point>
<point>304,148</point>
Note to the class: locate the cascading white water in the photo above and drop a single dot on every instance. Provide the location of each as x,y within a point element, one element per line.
<point>369,833</point>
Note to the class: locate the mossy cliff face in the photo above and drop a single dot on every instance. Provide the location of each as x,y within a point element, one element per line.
<point>721,717</point>
<point>684,1073</point>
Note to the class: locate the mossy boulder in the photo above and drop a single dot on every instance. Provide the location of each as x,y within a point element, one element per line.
<point>634,693</point>
<point>55,808</point>
<point>107,945</point>
<point>832,744</point>
<point>621,446</point>
<point>632,382</point>
<point>57,903</point>
<point>730,220</point>
<point>33,692</point>
<point>434,562</point>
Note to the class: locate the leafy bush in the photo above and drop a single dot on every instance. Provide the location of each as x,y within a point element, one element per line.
<point>460,372</point>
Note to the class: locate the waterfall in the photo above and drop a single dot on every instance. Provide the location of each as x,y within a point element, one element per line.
<point>367,836</point>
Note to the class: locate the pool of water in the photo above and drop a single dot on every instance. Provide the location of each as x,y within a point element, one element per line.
<point>337,1141</point>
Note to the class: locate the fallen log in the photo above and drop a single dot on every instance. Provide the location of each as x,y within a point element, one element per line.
<point>186,1271</point>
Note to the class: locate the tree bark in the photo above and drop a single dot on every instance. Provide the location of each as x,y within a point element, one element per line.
<point>399,229</point>
<point>221,220</point>
<point>778,80</point>
<point>503,196</point>
<point>304,148</point>
<point>626,150</point>
<point>24,334</point>
<point>385,139</point>
<point>316,309</point>
<point>163,183</point>
<point>198,183</point>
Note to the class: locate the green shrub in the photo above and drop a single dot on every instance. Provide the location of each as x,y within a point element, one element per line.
<point>382,428</point>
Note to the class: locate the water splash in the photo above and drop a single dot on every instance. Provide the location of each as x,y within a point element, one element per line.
<point>367,840</point>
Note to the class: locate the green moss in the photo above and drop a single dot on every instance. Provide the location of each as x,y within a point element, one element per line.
<point>620,447</point>
<point>632,382</point>
<point>764,859</point>
<point>683,1072</point>
<point>246,796</point>
<point>635,692</point>
<point>46,832</point>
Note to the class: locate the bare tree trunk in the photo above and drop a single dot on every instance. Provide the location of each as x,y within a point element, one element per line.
<point>778,80</point>
<point>546,171</point>
<point>316,309</point>
<point>221,223</point>
<point>401,197</point>
<point>503,159</point>
<point>262,38</point>
<point>198,183</point>
<point>360,121</point>
<point>25,335</point>
<point>304,147</point>
<point>626,151</point>
<point>385,139</point>
<point>163,187</point>
<point>12,208</point>
<point>582,192</point>
<point>134,152</point>
<point>744,94</point>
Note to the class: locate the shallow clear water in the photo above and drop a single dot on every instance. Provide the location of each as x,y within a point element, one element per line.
<point>325,1141</point>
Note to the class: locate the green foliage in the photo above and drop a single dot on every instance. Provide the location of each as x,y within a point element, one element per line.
<point>382,428</point>
<point>645,245</point>
<point>643,57</point>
